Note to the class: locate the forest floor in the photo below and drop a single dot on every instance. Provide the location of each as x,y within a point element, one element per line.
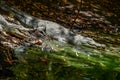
<point>90,64</point>
<point>91,20</point>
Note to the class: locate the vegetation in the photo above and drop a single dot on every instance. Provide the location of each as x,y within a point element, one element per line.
<point>66,64</point>
<point>84,63</point>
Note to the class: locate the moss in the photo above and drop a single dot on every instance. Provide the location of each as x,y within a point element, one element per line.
<point>65,64</point>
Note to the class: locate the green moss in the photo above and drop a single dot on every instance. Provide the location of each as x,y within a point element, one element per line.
<point>65,64</point>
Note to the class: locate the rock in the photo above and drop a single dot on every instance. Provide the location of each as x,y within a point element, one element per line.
<point>11,28</point>
<point>19,49</point>
<point>87,78</point>
<point>47,46</point>
<point>3,21</point>
<point>53,29</point>
<point>48,28</point>
<point>1,29</point>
